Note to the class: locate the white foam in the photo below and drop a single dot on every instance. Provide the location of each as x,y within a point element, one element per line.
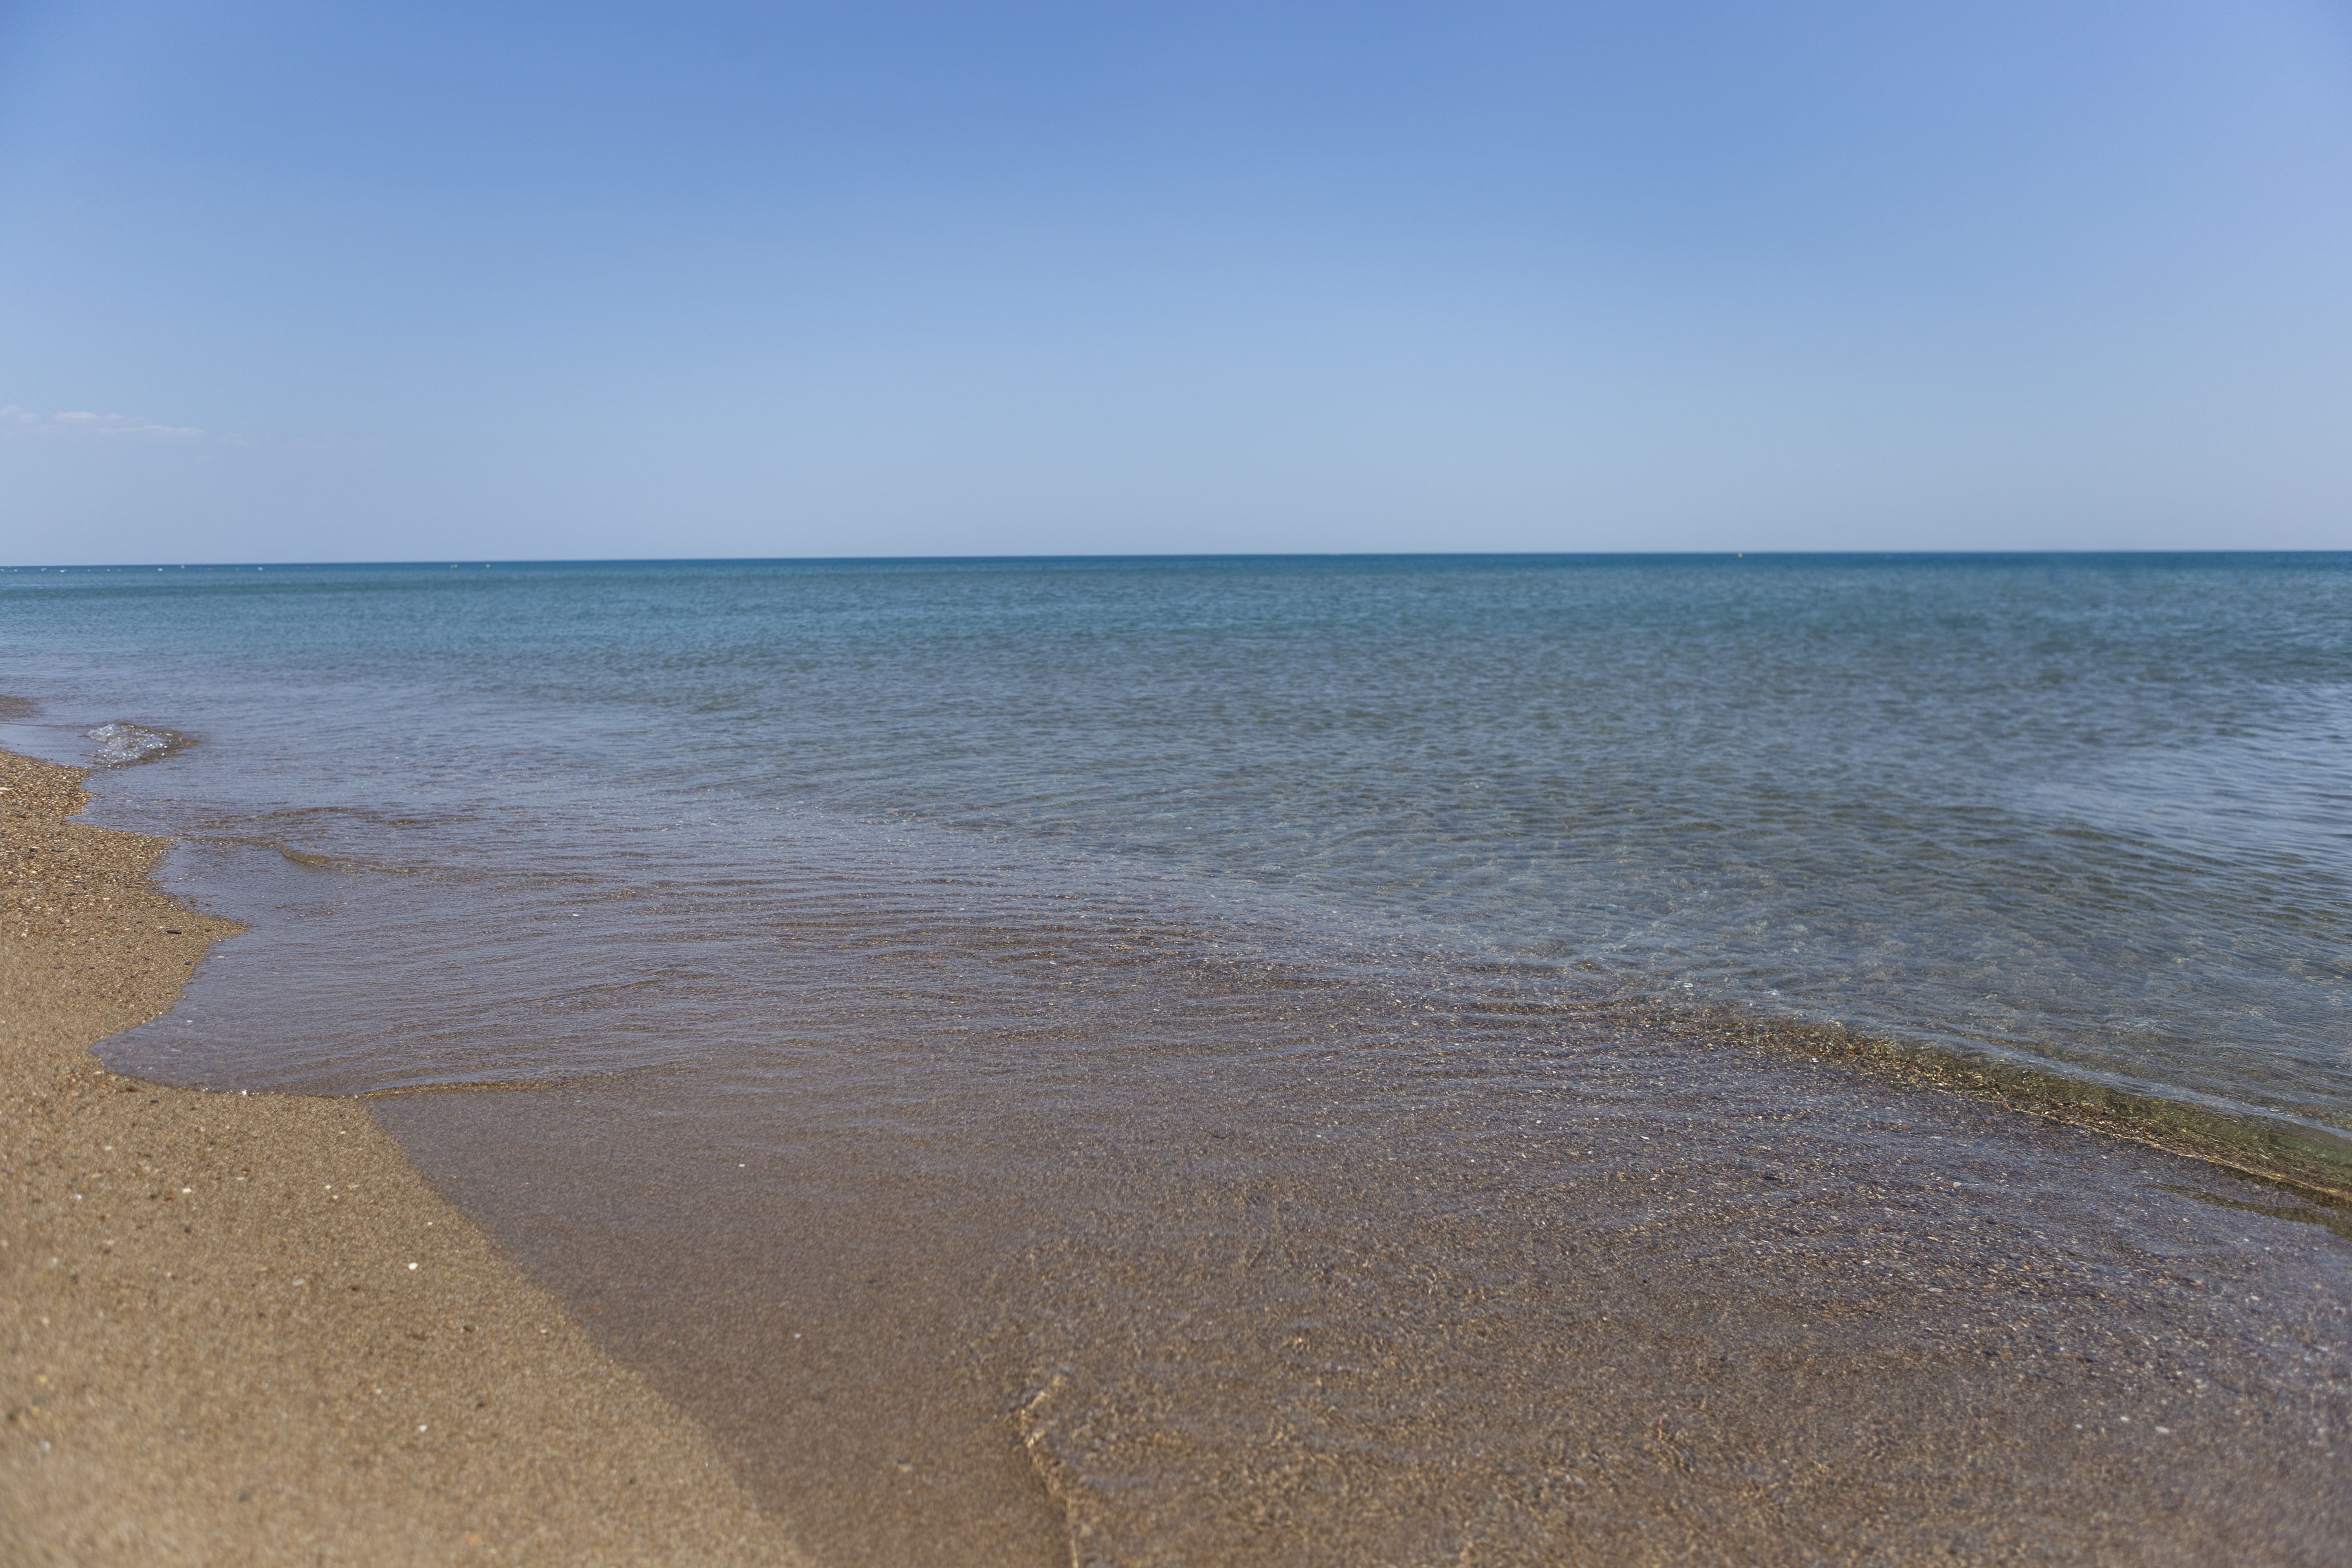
<point>121,744</point>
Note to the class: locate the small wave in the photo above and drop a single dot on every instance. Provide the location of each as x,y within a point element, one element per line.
<point>121,744</point>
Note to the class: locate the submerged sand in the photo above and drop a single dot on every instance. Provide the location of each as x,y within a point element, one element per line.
<point>244,1328</point>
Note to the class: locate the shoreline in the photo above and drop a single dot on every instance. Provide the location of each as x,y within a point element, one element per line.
<point>2265,1152</point>
<point>244,1327</point>
<point>197,1368</point>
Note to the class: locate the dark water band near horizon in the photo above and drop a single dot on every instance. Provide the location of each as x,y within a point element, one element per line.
<point>1398,1059</point>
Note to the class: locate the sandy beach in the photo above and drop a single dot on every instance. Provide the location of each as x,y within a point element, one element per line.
<point>1273,1269</point>
<point>244,1328</point>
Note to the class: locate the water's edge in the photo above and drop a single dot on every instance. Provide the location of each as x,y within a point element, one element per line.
<point>1065,1434</point>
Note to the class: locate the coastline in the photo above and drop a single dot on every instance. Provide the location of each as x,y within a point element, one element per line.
<point>244,1327</point>
<point>1838,1243</point>
<point>2269,1153</point>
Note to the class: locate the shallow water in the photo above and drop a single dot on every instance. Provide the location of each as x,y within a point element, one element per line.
<point>1276,1060</point>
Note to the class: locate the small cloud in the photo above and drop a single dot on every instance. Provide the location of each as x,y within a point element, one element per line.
<point>19,422</point>
<point>148,430</point>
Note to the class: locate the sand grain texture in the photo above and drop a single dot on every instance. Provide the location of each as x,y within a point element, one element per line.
<point>244,1329</point>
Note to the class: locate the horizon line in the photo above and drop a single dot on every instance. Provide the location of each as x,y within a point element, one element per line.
<point>460,563</point>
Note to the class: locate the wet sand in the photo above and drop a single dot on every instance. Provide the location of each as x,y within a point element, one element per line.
<point>244,1328</point>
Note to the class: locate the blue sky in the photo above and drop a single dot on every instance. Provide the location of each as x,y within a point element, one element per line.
<point>339,281</point>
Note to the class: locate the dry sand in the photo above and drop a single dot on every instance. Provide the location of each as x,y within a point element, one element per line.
<point>244,1329</point>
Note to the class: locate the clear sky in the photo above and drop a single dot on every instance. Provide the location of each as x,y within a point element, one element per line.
<point>419,280</point>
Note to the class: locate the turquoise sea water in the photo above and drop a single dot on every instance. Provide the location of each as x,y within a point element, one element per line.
<point>2091,812</point>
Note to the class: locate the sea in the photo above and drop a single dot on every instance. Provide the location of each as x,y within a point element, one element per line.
<point>1287,1059</point>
